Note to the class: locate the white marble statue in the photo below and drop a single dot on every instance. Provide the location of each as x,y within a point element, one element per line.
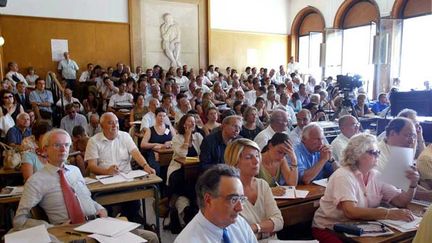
<point>170,32</point>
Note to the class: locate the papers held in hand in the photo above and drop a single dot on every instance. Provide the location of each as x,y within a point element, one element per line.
<point>121,177</point>
<point>394,171</point>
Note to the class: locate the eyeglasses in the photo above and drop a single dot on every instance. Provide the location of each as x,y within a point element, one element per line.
<point>60,145</point>
<point>234,199</point>
<point>375,153</point>
<point>8,97</point>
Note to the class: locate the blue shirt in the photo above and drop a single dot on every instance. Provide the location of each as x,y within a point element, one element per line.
<point>378,107</point>
<point>200,229</point>
<point>306,160</point>
<point>15,135</point>
<point>40,97</point>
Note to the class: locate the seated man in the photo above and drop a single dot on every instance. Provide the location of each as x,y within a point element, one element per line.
<point>213,146</point>
<point>303,118</point>
<point>400,132</point>
<point>17,133</point>
<point>313,155</point>
<point>72,119</point>
<point>120,98</point>
<point>60,190</point>
<point>110,152</point>
<point>41,100</point>
<point>381,104</point>
<point>279,122</point>
<point>93,127</point>
<point>149,119</point>
<point>68,99</point>
<point>220,197</point>
<point>349,126</point>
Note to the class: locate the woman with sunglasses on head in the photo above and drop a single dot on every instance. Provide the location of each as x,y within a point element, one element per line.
<point>260,209</point>
<point>354,191</point>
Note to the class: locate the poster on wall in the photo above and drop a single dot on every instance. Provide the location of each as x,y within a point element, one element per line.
<point>58,47</point>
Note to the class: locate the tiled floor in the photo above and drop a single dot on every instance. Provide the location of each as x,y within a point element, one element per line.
<point>166,236</point>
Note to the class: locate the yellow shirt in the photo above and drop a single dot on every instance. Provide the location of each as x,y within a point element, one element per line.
<point>424,233</point>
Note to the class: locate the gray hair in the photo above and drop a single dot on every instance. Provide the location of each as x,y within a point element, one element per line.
<point>357,145</point>
<point>309,127</point>
<point>209,181</point>
<point>47,136</point>
<point>277,114</point>
<point>344,119</point>
<point>228,119</point>
<point>105,115</point>
<point>408,113</point>
<point>20,115</point>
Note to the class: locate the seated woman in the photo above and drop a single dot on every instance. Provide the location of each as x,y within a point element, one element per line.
<point>91,103</point>
<point>186,143</point>
<point>10,107</point>
<point>262,111</point>
<point>295,102</point>
<point>212,118</point>
<point>361,108</point>
<point>354,192</point>
<point>275,168</point>
<point>34,158</point>
<point>137,114</point>
<point>252,125</point>
<point>260,209</point>
<point>158,136</point>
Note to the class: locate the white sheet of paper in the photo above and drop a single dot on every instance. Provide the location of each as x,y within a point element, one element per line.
<point>89,180</point>
<point>301,193</point>
<point>394,172</point>
<point>289,193</point>
<point>127,237</point>
<point>58,47</point>
<point>107,226</point>
<point>134,174</point>
<point>38,234</point>
<point>114,179</point>
<point>402,225</point>
<point>322,182</point>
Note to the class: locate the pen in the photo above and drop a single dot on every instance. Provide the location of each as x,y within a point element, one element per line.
<point>73,233</point>
<point>277,184</point>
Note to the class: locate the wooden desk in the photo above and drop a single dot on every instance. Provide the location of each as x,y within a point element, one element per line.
<point>191,169</point>
<point>6,172</point>
<point>60,233</point>
<point>397,236</point>
<point>163,155</point>
<point>137,189</point>
<point>301,210</point>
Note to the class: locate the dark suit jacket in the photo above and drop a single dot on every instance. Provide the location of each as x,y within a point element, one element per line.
<point>26,104</point>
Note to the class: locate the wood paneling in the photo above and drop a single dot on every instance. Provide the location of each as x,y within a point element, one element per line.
<point>241,49</point>
<point>417,7</point>
<point>362,13</point>
<point>28,42</point>
<point>311,23</point>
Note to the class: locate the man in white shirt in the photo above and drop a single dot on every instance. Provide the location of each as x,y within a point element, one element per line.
<point>183,107</point>
<point>110,152</point>
<point>121,98</point>
<point>68,69</point>
<point>183,81</point>
<point>349,126</point>
<point>283,104</point>
<point>211,73</point>
<point>279,122</point>
<point>68,99</point>
<point>86,75</point>
<point>149,119</point>
<point>220,198</point>
<point>13,75</point>
<point>200,84</point>
<point>303,118</point>
<point>293,66</point>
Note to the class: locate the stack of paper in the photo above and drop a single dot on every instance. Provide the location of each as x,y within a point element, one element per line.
<point>121,177</point>
<point>89,180</point>
<point>111,230</point>
<point>403,226</point>
<point>9,191</point>
<point>291,193</point>
<point>38,234</point>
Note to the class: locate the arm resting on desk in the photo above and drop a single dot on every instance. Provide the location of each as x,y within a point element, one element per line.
<point>137,156</point>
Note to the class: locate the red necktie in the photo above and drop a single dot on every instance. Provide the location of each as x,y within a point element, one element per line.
<point>73,207</point>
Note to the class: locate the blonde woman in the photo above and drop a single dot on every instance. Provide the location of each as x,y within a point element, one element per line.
<point>260,209</point>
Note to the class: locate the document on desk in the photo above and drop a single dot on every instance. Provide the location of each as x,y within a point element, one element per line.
<point>127,237</point>
<point>121,177</point>
<point>322,182</point>
<point>107,226</point>
<point>403,226</point>
<point>292,193</point>
<point>38,234</point>
<point>394,172</point>
<point>10,191</point>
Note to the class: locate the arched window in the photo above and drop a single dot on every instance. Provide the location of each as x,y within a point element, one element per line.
<point>307,31</point>
<point>357,19</point>
<point>416,39</point>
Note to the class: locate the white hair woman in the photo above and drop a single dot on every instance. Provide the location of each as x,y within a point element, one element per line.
<point>354,192</point>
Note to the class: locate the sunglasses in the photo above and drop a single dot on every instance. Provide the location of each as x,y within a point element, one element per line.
<point>8,97</point>
<point>375,153</point>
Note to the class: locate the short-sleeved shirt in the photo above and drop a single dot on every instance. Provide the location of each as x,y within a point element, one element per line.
<point>111,152</point>
<point>40,97</point>
<point>68,68</point>
<point>32,158</point>
<point>307,159</point>
<point>347,185</point>
<point>15,135</point>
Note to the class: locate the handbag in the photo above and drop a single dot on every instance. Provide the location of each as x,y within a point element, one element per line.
<point>11,157</point>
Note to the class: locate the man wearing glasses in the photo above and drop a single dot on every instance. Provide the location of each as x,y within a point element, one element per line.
<point>349,126</point>
<point>279,122</point>
<point>303,117</point>
<point>220,198</point>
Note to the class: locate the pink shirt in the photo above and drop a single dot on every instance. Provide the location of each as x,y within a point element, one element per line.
<point>347,185</point>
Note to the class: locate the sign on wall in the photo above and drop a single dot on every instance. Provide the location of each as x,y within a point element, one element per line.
<point>58,47</point>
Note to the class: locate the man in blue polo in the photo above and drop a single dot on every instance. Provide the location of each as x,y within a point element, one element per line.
<point>313,155</point>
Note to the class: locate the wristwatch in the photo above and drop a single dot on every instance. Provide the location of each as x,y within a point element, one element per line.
<point>331,161</point>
